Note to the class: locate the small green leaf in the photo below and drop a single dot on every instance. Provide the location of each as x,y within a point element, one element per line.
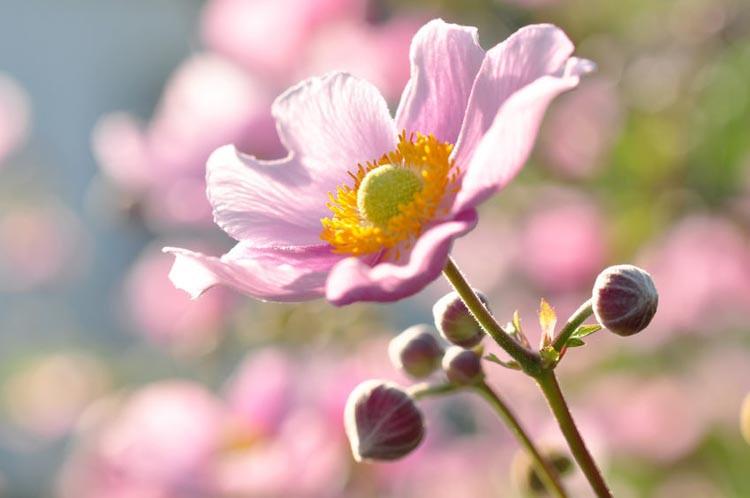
<point>586,329</point>
<point>514,329</point>
<point>512,364</point>
<point>575,342</point>
<point>517,322</point>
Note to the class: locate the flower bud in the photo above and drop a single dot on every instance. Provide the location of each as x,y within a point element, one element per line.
<point>455,322</point>
<point>745,419</point>
<point>526,477</point>
<point>462,366</point>
<point>416,351</point>
<point>382,421</point>
<point>624,299</point>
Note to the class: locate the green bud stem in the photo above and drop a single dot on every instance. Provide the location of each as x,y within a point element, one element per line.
<point>576,320</point>
<point>427,390</point>
<point>543,467</point>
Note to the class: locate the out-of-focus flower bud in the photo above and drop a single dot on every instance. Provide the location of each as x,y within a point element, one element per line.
<point>455,322</point>
<point>527,479</point>
<point>382,421</point>
<point>462,366</point>
<point>745,419</point>
<point>624,299</point>
<point>416,351</point>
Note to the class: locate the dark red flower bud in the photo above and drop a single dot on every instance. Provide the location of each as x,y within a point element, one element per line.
<point>462,366</point>
<point>416,351</point>
<point>455,322</point>
<point>382,421</point>
<point>624,299</point>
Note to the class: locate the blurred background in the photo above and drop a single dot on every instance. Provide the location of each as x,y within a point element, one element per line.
<point>115,385</point>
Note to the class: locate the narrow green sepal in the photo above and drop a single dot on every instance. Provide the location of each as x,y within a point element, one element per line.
<point>512,364</point>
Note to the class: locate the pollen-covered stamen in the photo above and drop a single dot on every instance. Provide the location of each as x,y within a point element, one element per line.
<point>383,190</point>
<point>392,199</point>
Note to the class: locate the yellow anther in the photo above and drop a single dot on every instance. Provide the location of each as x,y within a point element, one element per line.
<point>392,198</point>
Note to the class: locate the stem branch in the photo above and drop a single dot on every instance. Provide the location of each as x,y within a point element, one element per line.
<point>544,469</point>
<point>529,361</point>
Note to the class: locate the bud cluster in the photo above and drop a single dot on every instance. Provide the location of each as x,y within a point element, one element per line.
<point>382,420</point>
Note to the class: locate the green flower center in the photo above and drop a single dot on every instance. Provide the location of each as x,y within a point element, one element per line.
<point>383,190</point>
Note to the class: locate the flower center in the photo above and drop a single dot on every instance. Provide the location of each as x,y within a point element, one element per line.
<point>393,198</point>
<point>384,190</point>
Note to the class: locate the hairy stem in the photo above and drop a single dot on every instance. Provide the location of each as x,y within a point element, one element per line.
<point>577,318</point>
<point>551,389</point>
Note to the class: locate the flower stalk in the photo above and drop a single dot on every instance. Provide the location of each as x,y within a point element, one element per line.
<point>551,388</point>
<point>532,364</point>
<point>544,468</point>
<point>576,320</point>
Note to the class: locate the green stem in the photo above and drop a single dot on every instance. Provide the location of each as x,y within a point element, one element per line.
<point>544,469</point>
<point>551,389</point>
<point>529,360</point>
<point>426,390</point>
<point>576,320</point>
<point>531,364</point>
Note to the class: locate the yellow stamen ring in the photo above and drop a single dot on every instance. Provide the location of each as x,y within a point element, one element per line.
<point>392,199</point>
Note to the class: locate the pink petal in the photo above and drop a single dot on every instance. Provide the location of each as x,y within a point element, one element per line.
<point>505,147</point>
<point>285,274</point>
<point>353,280</point>
<point>445,59</point>
<point>528,54</point>
<point>329,125</point>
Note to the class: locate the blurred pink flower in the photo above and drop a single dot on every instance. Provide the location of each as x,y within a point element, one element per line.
<point>269,436</point>
<point>581,128</point>
<point>305,457</point>
<point>331,124</point>
<point>222,97</point>
<point>262,390</point>
<point>14,116</point>
<point>701,268</point>
<point>40,244</point>
<point>241,29</point>
<point>562,242</point>
<point>365,50</point>
<point>159,444</point>
<point>653,418</point>
<point>46,395</point>
<point>208,102</point>
<point>165,315</point>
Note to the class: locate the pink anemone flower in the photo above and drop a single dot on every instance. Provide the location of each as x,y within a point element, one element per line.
<point>365,207</point>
